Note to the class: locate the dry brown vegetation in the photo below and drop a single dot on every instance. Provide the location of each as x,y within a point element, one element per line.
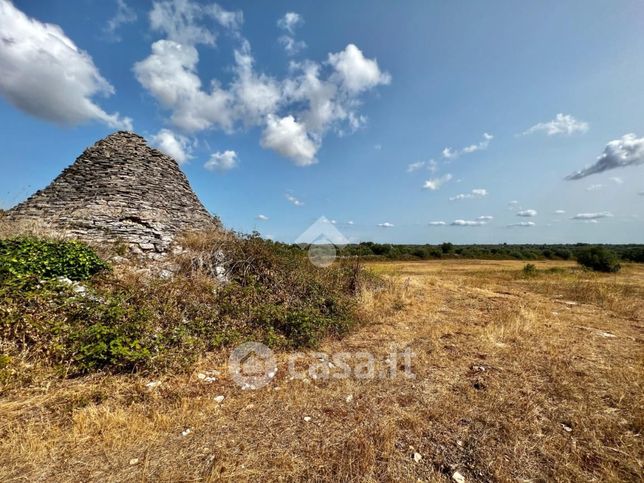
<point>517,379</point>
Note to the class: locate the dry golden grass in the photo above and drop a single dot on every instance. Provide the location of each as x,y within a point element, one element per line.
<point>517,379</point>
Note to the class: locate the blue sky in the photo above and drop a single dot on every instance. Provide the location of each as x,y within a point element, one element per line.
<point>409,122</point>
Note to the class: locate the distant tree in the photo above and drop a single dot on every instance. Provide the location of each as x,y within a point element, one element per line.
<point>599,259</point>
<point>447,247</point>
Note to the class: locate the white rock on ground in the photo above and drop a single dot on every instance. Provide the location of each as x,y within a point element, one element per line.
<point>458,478</point>
<point>219,399</point>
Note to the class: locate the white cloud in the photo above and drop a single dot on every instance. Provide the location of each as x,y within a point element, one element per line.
<point>594,187</point>
<point>485,218</point>
<point>294,113</point>
<point>524,224</point>
<point>560,212</point>
<point>386,224</point>
<point>435,183</point>
<point>561,124</point>
<point>468,223</point>
<point>290,139</point>
<point>451,153</point>
<point>475,193</point>
<point>262,217</point>
<point>592,216</point>
<point>46,75</point>
<point>350,222</point>
<point>222,161</point>
<point>355,71</point>
<point>437,223</point>
<point>415,166</point>
<point>291,46</point>
<point>180,20</point>
<point>124,14</point>
<point>513,205</point>
<point>169,74</point>
<point>626,151</point>
<point>293,200</point>
<point>290,21</point>
<point>617,180</point>
<point>527,213</point>
<point>174,145</point>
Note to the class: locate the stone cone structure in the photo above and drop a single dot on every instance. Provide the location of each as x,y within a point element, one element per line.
<point>120,190</point>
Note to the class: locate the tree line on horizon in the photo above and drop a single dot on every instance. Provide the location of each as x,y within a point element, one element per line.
<point>503,251</point>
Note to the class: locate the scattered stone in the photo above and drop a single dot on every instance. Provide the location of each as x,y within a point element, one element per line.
<point>417,457</point>
<point>201,376</point>
<point>349,398</point>
<point>219,399</point>
<point>186,432</point>
<point>152,384</point>
<point>566,428</point>
<point>307,419</point>
<point>458,478</point>
<point>134,461</point>
<point>607,334</point>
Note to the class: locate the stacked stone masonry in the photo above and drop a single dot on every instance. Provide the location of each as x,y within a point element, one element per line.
<point>120,190</point>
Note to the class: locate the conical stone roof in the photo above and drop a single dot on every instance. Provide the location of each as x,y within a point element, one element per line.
<point>120,190</point>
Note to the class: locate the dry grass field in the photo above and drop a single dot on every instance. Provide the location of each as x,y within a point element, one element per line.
<point>517,378</point>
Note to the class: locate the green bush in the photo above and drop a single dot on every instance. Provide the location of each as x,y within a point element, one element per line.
<point>273,294</point>
<point>27,258</point>
<point>599,259</point>
<point>530,269</point>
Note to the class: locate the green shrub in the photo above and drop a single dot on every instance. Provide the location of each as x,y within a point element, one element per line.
<point>273,294</point>
<point>599,259</point>
<point>530,270</point>
<point>27,258</point>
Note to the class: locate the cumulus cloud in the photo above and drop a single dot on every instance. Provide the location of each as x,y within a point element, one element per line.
<point>451,153</point>
<point>386,224</point>
<point>124,15</point>
<point>524,224</point>
<point>181,20</point>
<point>560,212</point>
<point>288,23</point>
<point>222,161</point>
<point>527,213</point>
<point>562,124</point>
<point>355,71</point>
<point>293,200</point>
<point>468,223</point>
<point>262,217</point>
<point>290,139</point>
<point>294,113</point>
<point>46,75</point>
<point>617,180</point>
<point>620,153</point>
<point>174,145</point>
<point>485,218</point>
<point>435,183</point>
<point>592,216</point>
<point>437,223</point>
<point>475,193</point>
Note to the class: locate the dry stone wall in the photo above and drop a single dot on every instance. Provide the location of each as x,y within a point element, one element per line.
<point>120,190</point>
